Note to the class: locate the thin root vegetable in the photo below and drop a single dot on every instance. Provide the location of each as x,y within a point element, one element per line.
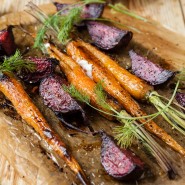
<point>14,91</point>
<point>138,88</point>
<point>160,155</point>
<point>113,87</point>
<point>78,78</point>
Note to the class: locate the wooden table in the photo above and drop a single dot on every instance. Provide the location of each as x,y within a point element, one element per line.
<point>169,13</point>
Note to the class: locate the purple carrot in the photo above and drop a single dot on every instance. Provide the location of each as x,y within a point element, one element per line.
<point>7,44</point>
<point>108,37</point>
<point>119,163</point>
<point>147,70</point>
<point>44,67</point>
<point>89,11</point>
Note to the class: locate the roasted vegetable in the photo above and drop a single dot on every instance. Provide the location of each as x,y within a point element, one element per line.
<point>119,163</point>
<point>111,85</point>
<point>7,44</point>
<point>14,91</point>
<point>147,70</point>
<point>64,106</point>
<point>77,77</point>
<point>139,89</point>
<point>89,11</point>
<point>43,68</point>
<point>108,37</point>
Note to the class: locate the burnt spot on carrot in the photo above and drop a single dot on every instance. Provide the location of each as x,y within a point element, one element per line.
<point>108,37</point>
<point>147,70</point>
<point>119,163</point>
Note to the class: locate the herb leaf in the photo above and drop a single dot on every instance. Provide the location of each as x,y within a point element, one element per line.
<point>16,63</point>
<point>66,27</point>
<point>76,94</point>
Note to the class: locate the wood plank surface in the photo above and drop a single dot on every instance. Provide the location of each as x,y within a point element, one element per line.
<point>168,12</point>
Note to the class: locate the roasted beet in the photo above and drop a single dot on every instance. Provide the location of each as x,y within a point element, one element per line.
<point>118,163</point>
<point>44,67</point>
<point>65,107</point>
<point>147,70</point>
<point>108,37</point>
<point>7,44</point>
<point>180,97</point>
<point>89,11</point>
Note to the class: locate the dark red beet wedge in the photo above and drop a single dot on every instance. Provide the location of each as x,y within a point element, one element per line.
<point>118,163</point>
<point>89,11</point>
<point>64,106</point>
<point>108,37</point>
<point>7,44</point>
<point>44,67</point>
<point>180,97</point>
<point>147,70</point>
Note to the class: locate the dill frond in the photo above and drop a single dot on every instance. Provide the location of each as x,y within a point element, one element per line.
<point>76,94</point>
<point>66,27</point>
<point>125,134</point>
<point>39,40</point>
<point>101,96</point>
<point>16,63</point>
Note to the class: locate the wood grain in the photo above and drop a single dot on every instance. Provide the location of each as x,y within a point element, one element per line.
<point>170,13</point>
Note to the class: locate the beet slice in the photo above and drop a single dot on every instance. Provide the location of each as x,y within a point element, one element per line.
<point>121,164</point>
<point>180,97</point>
<point>7,44</point>
<point>147,70</point>
<point>93,10</point>
<point>64,106</point>
<point>108,37</point>
<point>44,67</point>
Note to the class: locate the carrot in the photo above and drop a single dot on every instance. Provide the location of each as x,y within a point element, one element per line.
<point>139,89</point>
<point>78,78</point>
<point>14,91</point>
<point>112,86</point>
<point>134,85</point>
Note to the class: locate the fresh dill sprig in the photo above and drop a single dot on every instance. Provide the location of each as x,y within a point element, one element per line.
<point>16,63</point>
<point>101,96</point>
<point>124,10</point>
<point>129,131</point>
<point>76,94</point>
<point>66,27</point>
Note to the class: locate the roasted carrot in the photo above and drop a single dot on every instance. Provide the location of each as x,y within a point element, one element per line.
<point>14,91</point>
<point>112,86</point>
<point>77,77</point>
<point>134,85</point>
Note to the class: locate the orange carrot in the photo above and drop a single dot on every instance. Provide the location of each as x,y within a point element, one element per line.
<point>134,85</point>
<point>78,78</point>
<point>14,91</point>
<point>112,86</point>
